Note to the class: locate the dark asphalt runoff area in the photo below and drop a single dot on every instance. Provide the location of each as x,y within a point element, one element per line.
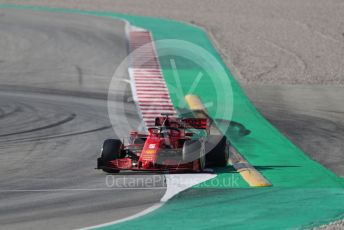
<point>55,71</point>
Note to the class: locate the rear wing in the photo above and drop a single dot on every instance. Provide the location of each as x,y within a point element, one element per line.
<point>182,123</point>
<point>195,123</point>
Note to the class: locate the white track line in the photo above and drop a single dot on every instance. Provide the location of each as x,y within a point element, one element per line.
<point>142,213</point>
<point>176,183</point>
<point>77,189</point>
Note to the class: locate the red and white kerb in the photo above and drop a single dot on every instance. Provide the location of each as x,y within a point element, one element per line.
<point>148,85</point>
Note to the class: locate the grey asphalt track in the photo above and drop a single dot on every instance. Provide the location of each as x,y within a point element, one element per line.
<point>310,116</point>
<point>269,42</point>
<point>54,73</point>
<point>296,47</point>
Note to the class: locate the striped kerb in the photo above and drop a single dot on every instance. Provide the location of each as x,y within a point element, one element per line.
<point>149,88</point>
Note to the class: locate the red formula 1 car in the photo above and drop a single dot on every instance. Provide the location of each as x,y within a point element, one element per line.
<point>173,145</point>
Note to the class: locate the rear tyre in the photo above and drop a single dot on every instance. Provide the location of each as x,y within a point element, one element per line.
<point>111,151</point>
<point>217,152</point>
<point>192,151</point>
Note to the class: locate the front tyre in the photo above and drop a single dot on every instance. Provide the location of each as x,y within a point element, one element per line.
<point>111,150</point>
<point>217,151</point>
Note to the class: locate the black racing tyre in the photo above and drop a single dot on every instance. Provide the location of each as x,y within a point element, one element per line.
<point>192,150</point>
<point>111,150</point>
<point>217,152</point>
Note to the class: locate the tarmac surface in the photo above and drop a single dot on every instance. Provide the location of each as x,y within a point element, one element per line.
<point>54,76</point>
<point>288,58</point>
<point>268,45</point>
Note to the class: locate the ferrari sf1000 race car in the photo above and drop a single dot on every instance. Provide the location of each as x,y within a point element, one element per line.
<point>172,145</point>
